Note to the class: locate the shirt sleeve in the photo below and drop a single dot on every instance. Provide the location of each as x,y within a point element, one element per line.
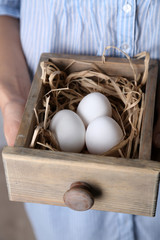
<point>10,8</point>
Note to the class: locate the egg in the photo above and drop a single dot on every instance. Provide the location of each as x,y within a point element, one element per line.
<point>102,134</point>
<point>92,106</point>
<point>69,130</point>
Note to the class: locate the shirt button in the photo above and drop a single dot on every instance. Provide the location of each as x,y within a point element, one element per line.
<point>127,8</point>
<point>124,46</point>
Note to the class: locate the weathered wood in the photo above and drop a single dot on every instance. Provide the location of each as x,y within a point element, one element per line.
<point>28,120</point>
<point>148,115</point>
<point>119,185</point>
<point>44,176</point>
<point>113,66</point>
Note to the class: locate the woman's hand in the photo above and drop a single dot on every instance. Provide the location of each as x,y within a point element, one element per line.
<point>12,103</point>
<point>14,77</point>
<point>12,115</point>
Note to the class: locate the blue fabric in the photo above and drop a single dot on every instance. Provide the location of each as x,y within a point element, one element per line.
<point>60,223</point>
<point>87,27</point>
<point>10,8</point>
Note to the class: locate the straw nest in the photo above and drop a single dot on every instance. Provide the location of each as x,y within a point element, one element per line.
<point>64,91</point>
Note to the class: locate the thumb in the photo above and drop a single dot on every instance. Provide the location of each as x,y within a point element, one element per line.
<point>12,115</point>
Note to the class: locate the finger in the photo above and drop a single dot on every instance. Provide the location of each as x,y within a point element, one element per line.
<point>12,116</point>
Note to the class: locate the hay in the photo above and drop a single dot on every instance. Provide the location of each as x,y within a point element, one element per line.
<point>64,91</point>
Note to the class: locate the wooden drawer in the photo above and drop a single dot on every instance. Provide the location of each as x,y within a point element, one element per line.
<point>117,184</point>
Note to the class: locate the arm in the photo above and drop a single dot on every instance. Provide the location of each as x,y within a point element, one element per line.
<point>14,77</point>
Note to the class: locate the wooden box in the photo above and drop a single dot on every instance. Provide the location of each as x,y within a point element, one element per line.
<point>118,185</point>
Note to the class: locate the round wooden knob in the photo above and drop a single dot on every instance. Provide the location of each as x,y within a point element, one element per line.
<point>79,197</point>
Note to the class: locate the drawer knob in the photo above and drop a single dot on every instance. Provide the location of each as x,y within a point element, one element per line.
<point>79,197</point>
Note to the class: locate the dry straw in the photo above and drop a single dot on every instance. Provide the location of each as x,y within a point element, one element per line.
<point>64,91</point>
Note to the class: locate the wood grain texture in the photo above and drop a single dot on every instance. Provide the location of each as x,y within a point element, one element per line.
<point>28,120</point>
<point>148,115</point>
<point>113,66</point>
<point>43,177</point>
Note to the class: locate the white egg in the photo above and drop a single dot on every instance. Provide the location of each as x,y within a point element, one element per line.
<point>69,130</point>
<point>103,134</point>
<point>92,106</point>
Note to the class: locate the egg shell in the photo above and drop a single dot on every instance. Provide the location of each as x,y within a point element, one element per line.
<point>69,130</point>
<point>92,106</point>
<point>103,134</point>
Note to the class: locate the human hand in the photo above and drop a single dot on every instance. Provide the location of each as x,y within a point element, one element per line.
<point>14,93</point>
<point>12,114</point>
<point>14,77</point>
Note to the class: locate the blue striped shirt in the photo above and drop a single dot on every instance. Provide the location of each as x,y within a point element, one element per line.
<point>87,27</point>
